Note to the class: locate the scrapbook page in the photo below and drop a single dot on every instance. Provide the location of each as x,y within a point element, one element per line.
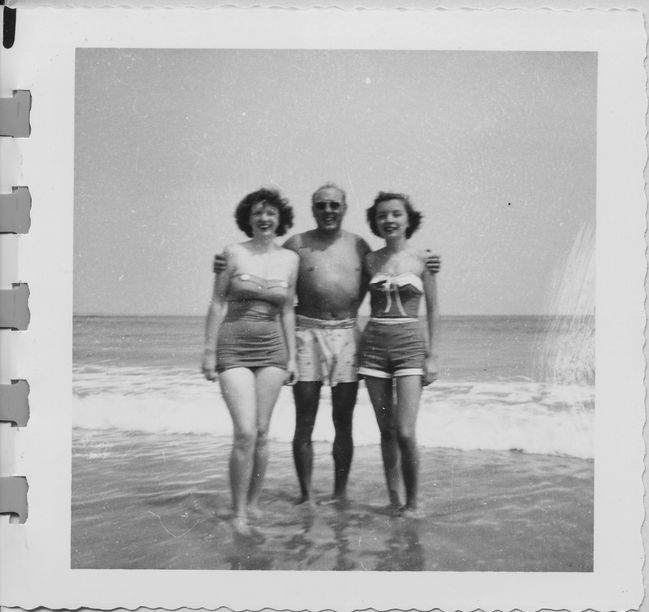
<point>330,309</point>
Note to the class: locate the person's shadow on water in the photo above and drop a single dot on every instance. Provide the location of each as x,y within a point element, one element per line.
<point>340,528</point>
<point>300,545</point>
<point>404,549</point>
<point>307,553</point>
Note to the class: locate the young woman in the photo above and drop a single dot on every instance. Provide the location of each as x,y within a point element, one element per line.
<point>250,339</point>
<point>394,348</point>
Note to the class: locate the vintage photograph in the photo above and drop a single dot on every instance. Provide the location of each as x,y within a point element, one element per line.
<point>334,310</point>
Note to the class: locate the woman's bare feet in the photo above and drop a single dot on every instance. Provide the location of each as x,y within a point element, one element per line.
<point>254,511</point>
<point>241,526</point>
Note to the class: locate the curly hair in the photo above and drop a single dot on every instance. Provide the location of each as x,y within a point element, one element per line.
<point>270,197</point>
<point>414,216</point>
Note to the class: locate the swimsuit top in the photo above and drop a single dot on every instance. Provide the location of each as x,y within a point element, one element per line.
<point>250,293</point>
<point>395,297</point>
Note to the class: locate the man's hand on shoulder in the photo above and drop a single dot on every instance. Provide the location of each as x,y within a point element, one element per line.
<point>220,261</point>
<point>433,262</point>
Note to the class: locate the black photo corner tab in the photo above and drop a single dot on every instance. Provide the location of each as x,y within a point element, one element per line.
<point>8,25</point>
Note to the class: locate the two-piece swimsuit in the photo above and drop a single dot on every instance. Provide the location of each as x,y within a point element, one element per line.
<point>393,341</point>
<point>250,336</point>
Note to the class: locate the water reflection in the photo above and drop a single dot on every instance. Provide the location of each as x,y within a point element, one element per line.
<point>300,545</point>
<point>404,549</point>
<point>248,553</point>
<point>340,530</point>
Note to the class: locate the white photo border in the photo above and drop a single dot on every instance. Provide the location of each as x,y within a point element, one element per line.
<point>35,557</point>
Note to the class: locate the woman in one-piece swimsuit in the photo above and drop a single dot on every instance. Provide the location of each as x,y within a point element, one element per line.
<point>394,347</point>
<point>250,339</point>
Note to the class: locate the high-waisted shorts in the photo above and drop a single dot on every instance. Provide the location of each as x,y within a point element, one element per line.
<point>392,349</point>
<point>250,343</point>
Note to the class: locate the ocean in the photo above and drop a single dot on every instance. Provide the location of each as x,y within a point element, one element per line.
<point>506,439</point>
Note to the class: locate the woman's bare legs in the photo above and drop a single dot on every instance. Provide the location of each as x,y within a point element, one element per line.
<point>238,389</point>
<point>407,409</point>
<point>268,383</point>
<point>380,392</point>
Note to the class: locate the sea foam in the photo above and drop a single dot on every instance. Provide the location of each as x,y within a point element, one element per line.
<point>518,414</point>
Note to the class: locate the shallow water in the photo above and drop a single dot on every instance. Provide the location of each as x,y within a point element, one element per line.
<point>163,502</point>
<point>505,435</point>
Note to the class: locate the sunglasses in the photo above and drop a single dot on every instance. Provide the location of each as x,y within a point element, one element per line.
<point>322,205</point>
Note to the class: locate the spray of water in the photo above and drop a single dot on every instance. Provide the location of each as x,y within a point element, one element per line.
<point>568,354</point>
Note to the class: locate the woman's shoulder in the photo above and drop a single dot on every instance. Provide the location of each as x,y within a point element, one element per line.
<point>234,250</point>
<point>421,254</point>
<point>235,247</point>
<point>288,252</point>
<point>283,255</point>
<point>289,255</point>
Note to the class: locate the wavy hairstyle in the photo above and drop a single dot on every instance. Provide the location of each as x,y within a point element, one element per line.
<point>270,197</point>
<point>414,216</point>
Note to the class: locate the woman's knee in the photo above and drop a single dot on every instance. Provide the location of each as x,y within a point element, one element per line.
<point>406,436</point>
<point>262,437</point>
<point>245,439</point>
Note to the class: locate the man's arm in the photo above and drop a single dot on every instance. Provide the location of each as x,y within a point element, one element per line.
<point>293,243</point>
<point>363,249</point>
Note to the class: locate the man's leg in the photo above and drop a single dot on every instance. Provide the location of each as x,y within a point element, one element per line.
<point>343,400</point>
<point>307,398</point>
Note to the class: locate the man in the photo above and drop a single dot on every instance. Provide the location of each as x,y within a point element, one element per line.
<point>330,288</point>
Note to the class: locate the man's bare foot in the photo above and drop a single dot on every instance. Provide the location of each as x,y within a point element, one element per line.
<point>411,513</point>
<point>390,510</point>
<point>395,510</point>
<point>340,501</point>
<point>241,526</point>
<point>306,501</point>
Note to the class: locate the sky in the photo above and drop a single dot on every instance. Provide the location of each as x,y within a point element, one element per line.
<point>497,149</point>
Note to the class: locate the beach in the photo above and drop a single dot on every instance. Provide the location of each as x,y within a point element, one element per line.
<point>506,458</point>
<point>482,510</point>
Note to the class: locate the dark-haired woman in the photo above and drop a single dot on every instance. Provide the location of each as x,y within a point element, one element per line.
<point>394,347</point>
<point>250,339</point>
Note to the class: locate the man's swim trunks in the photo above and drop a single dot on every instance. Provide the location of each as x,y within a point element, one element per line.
<point>393,341</point>
<point>251,334</point>
<point>327,350</point>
